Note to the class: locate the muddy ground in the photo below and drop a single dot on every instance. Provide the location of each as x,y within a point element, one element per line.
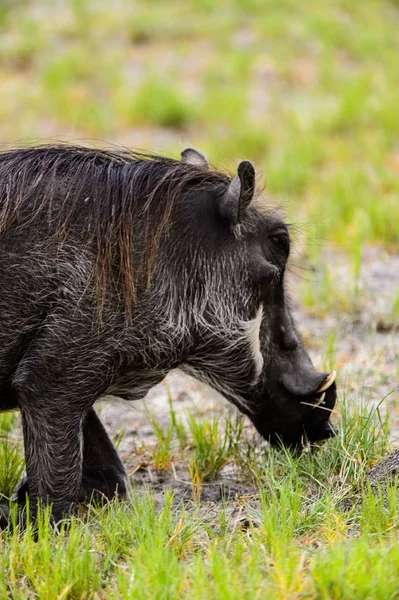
<point>365,353</point>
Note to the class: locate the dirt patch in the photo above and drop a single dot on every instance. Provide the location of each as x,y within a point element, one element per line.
<point>365,340</point>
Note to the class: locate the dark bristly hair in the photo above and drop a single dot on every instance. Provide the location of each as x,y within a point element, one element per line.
<point>101,195</point>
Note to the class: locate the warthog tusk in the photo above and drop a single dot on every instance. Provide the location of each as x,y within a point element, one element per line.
<point>320,400</point>
<point>329,380</point>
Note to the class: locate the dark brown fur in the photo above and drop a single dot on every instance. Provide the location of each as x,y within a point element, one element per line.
<point>106,194</point>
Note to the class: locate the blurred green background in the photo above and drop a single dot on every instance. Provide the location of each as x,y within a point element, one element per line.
<point>308,90</point>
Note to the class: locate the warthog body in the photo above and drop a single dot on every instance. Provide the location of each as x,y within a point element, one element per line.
<point>116,268</point>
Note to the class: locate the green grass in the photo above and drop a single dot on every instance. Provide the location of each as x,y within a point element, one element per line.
<point>213,443</point>
<point>11,461</point>
<point>308,533</point>
<point>155,102</point>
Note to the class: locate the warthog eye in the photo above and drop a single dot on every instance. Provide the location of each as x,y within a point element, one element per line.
<point>281,240</point>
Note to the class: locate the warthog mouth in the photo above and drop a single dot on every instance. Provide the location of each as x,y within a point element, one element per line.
<point>295,421</point>
<point>317,426</point>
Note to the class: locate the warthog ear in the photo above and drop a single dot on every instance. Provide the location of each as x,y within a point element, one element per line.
<point>239,194</point>
<point>193,157</point>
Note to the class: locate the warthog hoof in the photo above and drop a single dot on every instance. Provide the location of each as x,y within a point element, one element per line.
<point>4,516</point>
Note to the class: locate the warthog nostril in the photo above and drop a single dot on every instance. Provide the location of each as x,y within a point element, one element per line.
<point>329,380</point>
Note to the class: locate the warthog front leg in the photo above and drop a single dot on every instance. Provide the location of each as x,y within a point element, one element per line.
<point>55,387</point>
<point>54,457</point>
<point>104,475</point>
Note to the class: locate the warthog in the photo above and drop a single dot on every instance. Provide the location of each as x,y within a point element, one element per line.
<point>118,267</point>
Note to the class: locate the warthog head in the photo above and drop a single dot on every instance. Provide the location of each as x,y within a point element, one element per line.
<point>291,402</point>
